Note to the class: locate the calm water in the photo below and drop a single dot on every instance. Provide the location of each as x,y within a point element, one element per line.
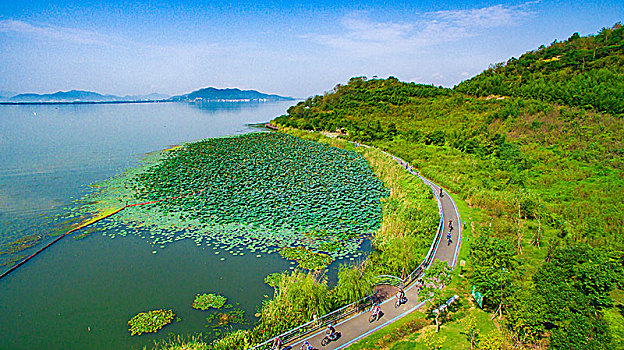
<point>80,293</point>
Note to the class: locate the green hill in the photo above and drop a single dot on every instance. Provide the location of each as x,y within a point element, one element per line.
<point>585,72</point>
<point>543,174</point>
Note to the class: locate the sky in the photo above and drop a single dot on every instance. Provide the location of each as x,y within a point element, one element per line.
<point>293,48</point>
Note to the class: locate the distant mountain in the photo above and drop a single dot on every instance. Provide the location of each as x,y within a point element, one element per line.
<point>61,96</point>
<point>83,96</point>
<point>234,95</point>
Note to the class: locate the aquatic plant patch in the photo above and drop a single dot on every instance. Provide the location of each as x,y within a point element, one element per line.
<point>273,279</point>
<point>21,244</point>
<point>305,258</point>
<point>207,301</point>
<point>150,321</point>
<point>249,193</point>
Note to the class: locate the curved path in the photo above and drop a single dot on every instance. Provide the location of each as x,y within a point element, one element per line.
<point>358,326</point>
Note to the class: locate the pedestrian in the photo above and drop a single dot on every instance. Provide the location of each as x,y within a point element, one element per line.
<point>440,192</point>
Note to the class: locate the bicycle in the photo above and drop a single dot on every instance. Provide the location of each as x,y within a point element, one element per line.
<point>329,338</point>
<point>375,314</point>
<point>400,301</point>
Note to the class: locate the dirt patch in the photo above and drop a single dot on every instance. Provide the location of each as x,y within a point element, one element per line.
<point>385,291</point>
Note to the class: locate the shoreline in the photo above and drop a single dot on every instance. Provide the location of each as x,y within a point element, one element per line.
<point>7,103</point>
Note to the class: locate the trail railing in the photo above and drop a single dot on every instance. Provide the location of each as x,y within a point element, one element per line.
<point>319,323</point>
<point>363,304</point>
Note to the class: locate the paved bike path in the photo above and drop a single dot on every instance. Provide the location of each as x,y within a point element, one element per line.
<point>358,326</point>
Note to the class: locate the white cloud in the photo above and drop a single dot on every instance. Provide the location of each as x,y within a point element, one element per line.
<point>363,36</point>
<point>487,17</point>
<point>44,32</point>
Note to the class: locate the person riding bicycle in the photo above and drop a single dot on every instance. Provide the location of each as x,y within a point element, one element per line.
<point>375,310</point>
<point>330,331</point>
<point>400,295</point>
<point>306,346</point>
<point>277,343</point>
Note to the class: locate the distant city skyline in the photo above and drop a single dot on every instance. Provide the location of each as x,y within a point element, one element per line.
<point>290,48</point>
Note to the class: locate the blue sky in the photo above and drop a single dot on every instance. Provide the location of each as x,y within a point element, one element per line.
<point>291,48</point>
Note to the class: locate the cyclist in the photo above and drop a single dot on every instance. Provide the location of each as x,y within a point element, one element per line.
<point>440,192</point>
<point>330,331</point>
<point>306,346</point>
<point>277,343</point>
<point>448,238</point>
<point>400,296</point>
<point>375,310</point>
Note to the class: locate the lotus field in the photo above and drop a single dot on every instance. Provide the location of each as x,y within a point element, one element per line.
<point>255,193</point>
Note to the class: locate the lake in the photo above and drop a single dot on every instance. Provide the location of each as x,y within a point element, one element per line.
<point>80,293</point>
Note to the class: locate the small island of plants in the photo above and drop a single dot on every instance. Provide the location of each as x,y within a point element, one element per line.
<point>150,321</point>
<point>206,301</point>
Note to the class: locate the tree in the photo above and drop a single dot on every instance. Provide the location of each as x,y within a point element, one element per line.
<point>354,283</point>
<point>437,276</point>
<point>469,324</point>
<point>575,283</point>
<point>493,263</point>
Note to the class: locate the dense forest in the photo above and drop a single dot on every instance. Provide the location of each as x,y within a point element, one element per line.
<point>536,147</point>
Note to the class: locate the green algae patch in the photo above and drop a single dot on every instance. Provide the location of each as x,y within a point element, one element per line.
<point>21,244</point>
<point>251,193</point>
<point>207,301</point>
<point>305,258</point>
<point>150,321</point>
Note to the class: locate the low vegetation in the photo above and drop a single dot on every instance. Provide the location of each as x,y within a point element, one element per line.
<point>305,258</point>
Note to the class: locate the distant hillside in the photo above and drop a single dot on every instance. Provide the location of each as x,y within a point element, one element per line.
<point>81,96</point>
<point>214,94</point>
<point>581,71</point>
<point>62,96</point>
<point>207,94</point>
